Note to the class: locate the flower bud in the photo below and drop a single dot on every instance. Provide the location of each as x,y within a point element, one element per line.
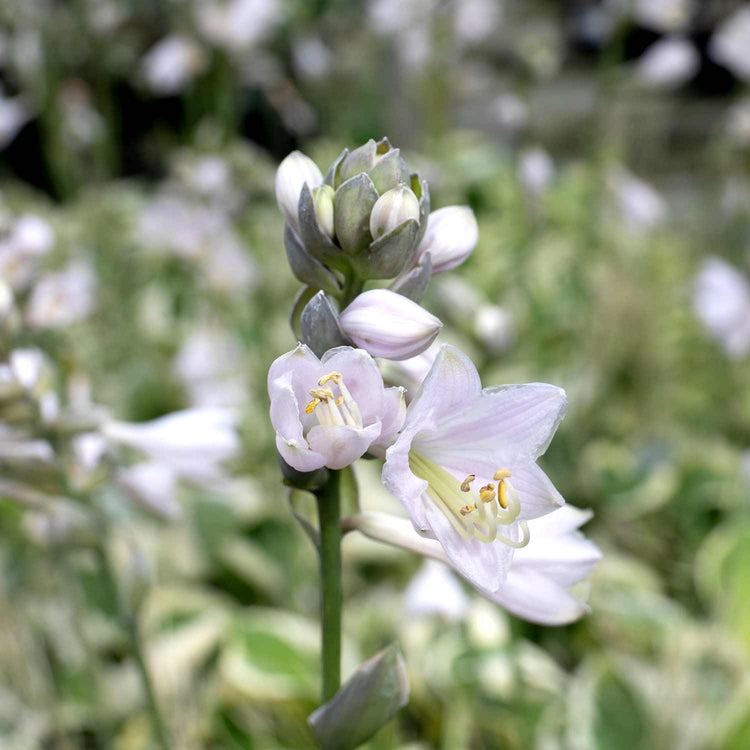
<point>392,209</point>
<point>323,201</point>
<point>451,235</point>
<point>389,325</point>
<point>296,170</point>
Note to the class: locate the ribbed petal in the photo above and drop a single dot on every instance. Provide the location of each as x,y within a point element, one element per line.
<point>536,492</point>
<point>341,445</point>
<point>305,366</point>
<point>362,378</point>
<point>290,441</point>
<point>483,565</point>
<point>533,597</point>
<point>394,414</point>
<point>507,424</point>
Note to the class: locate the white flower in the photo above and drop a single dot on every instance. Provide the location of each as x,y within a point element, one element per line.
<point>172,63</point>
<point>493,326</point>
<point>330,411</point>
<point>730,44</point>
<point>668,63</point>
<point>536,170</point>
<point>153,485</point>
<point>639,204</point>
<point>434,591</point>
<point>721,300</point>
<point>293,172</point>
<point>29,237</point>
<point>451,235</point>
<point>388,324</point>
<point>539,586</point>
<point>60,299</point>
<point>663,15</point>
<point>456,437</point>
<point>236,24</point>
<point>13,115</point>
<point>193,442</point>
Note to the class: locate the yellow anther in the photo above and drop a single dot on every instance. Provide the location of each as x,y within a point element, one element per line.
<point>465,484</point>
<point>467,509</point>
<point>488,486</point>
<point>501,474</point>
<point>335,376</point>
<point>486,495</point>
<point>310,408</point>
<point>321,393</point>
<point>339,401</point>
<point>502,495</point>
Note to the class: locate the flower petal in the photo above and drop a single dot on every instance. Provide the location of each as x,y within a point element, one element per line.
<point>506,424</point>
<point>536,492</point>
<point>341,445</point>
<point>394,414</point>
<point>451,383</point>
<point>483,565</point>
<point>533,597</point>
<point>290,441</point>
<point>305,365</point>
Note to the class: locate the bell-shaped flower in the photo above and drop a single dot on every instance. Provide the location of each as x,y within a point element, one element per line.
<point>293,172</point>
<point>330,411</point>
<point>392,209</point>
<point>452,233</point>
<point>542,584</point>
<point>192,442</point>
<point>464,465</point>
<point>389,325</point>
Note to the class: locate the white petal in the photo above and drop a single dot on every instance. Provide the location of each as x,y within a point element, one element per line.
<point>305,366</point>
<point>394,414</point>
<point>531,596</point>
<point>507,424</point>
<point>451,235</point>
<point>536,492</point>
<point>285,418</point>
<point>434,590</point>
<point>341,446</point>
<point>293,172</point>
<point>483,565</point>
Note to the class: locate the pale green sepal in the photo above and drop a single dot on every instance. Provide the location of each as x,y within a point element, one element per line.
<point>315,241</point>
<point>389,172</point>
<point>305,267</point>
<point>332,175</point>
<point>303,296</point>
<point>364,704</point>
<point>386,257</point>
<point>422,191</point>
<point>362,159</point>
<point>320,325</point>
<point>352,205</point>
<point>414,283</point>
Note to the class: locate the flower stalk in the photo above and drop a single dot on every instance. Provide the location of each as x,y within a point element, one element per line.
<point>328,498</point>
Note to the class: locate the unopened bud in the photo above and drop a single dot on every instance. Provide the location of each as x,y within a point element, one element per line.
<point>296,170</point>
<point>451,235</point>
<point>392,209</point>
<point>389,325</point>
<point>323,200</point>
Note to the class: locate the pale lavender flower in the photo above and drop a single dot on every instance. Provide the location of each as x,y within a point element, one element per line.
<point>668,63</point>
<point>62,298</point>
<point>543,583</point>
<point>456,437</point>
<point>293,172</point>
<point>730,43</point>
<point>172,64</point>
<point>330,411</point>
<point>721,300</point>
<point>452,233</point>
<point>388,324</point>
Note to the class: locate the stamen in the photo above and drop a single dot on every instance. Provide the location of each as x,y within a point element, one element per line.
<point>322,393</point>
<point>501,474</point>
<point>465,484</point>
<point>487,495</point>
<point>335,376</point>
<point>468,509</point>
<point>502,495</point>
<point>310,408</point>
<point>339,401</point>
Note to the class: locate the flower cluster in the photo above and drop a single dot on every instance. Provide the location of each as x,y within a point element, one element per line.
<point>460,458</point>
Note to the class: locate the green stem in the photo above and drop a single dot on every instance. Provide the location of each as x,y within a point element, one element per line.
<point>329,501</point>
<point>130,624</point>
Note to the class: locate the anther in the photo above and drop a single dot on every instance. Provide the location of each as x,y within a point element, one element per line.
<point>502,495</point>
<point>486,496</point>
<point>467,509</point>
<point>339,401</point>
<point>310,408</point>
<point>465,484</point>
<point>321,393</point>
<point>335,376</point>
<point>501,474</point>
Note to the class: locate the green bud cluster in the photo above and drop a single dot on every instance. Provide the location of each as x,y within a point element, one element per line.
<point>364,221</point>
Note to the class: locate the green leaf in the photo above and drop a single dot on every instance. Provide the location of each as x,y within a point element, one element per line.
<point>620,722</point>
<point>364,704</point>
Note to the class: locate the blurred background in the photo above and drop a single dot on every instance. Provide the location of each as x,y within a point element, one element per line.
<point>604,147</point>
